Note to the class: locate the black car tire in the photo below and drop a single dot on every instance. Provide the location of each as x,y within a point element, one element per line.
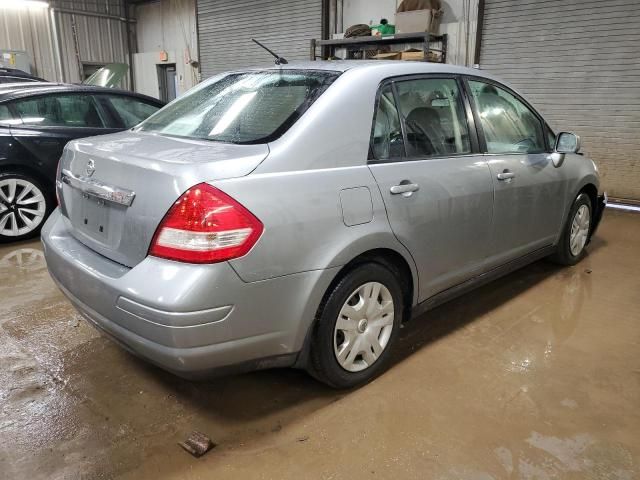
<point>323,364</point>
<point>563,254</point>
<point>12,207</point>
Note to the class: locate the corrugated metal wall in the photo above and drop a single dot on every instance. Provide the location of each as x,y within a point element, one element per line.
<point>30,30</point>
<point>578,62</point>
<point>100,39</point>
<point>225,29</point>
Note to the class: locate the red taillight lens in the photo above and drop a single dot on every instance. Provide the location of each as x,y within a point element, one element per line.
<point>205,225</point>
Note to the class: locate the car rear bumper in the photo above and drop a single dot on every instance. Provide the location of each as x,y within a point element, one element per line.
<point>193,320</point>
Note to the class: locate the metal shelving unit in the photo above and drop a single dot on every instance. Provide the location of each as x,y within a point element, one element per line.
<point>432,45</point>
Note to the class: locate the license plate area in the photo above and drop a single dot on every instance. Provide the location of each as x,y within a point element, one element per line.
<point>95,216</point>
<point>97,219</point>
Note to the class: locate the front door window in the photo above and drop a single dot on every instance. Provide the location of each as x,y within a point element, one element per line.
<point>509,126</point>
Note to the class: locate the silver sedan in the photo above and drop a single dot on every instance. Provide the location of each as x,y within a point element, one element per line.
<point>297,215</point>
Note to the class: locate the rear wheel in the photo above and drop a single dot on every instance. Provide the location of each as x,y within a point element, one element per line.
<point>575,236</point>
<point>356,327</point>
<point>24,206</point>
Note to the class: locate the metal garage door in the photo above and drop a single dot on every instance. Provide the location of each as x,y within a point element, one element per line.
<point>578,61</point>
<point>225,29</point>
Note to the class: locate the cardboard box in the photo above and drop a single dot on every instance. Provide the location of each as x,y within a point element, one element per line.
<point>418,21</point>
<point>388,56</point>
<point>412,54</point>
<point>418,55</point>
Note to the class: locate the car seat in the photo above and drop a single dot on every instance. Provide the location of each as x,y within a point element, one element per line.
<point>431,138</point>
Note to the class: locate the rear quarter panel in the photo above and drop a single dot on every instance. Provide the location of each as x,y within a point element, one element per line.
<point>304,225</point>
<point>305,232</point>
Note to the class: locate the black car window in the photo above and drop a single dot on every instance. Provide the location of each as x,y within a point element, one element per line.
<point>509,126</point>
<point>59,110</point>
<point>131,110</point>
<point>434,117</point>
<point>386,141</point>
<point>5,115</point>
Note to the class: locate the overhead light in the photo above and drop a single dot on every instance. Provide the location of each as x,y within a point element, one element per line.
<point>18,4</point>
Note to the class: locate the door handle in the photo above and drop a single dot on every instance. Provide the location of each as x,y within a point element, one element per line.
<point>405,188</point>
<point>506,175</point>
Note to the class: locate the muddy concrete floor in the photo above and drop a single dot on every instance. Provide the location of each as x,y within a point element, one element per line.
<point>535,376</point>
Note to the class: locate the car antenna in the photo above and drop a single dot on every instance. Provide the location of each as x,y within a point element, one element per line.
<point>279,60</point>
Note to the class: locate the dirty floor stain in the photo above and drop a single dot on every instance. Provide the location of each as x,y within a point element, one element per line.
<point>535,376</point>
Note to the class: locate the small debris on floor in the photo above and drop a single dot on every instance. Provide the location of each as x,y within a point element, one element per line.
<point>197,444</point>
<point>588,270</point>
<point>276,428</point>
<point>302,439</point>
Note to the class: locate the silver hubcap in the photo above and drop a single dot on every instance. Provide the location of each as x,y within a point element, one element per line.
<point>579,230</point>
<point>364,327</point>
<point>22,207</point>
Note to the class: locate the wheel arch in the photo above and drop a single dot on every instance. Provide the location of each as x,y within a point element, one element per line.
<point>592,191</point>
<point>587,183</point>
<point>47,183</point>
<point>397,261</point>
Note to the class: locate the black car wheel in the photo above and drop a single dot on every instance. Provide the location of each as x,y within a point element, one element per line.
<point>24,206</point>
<point>356,326</point>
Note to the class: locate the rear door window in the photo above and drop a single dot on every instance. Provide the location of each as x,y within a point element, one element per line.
<point>59,110</point>
<point>434,117</point>
<point>387,142</point>
<point>130,111</point>
<point>508,124</point>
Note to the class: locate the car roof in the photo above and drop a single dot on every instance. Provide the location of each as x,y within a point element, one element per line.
<point>383,68</point>
<point>344,65</point>
<point>19,79</point>
<point>14,72</point>
<point>12,91</point>
<point>7,87</point>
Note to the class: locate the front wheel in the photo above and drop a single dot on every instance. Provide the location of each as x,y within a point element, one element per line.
<point>24,206</point>
<point>575,236</point>
<point>356,326</point>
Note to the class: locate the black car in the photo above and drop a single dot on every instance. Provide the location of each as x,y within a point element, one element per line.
<point>13,75</point>
<point>35,124</point>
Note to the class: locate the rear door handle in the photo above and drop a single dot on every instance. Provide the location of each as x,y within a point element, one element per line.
<point>506,175</point>
<point>404,189</point>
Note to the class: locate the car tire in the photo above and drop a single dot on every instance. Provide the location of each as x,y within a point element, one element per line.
<point>25,204</point>
<point>356,350</point>
<point>575,235</point>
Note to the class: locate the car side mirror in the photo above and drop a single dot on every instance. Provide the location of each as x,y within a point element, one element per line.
<point>566,142</point>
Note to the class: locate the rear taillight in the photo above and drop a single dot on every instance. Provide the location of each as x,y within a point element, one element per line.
<point>205,225</point>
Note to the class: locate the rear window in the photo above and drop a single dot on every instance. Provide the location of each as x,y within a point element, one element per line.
<point>252,107</point>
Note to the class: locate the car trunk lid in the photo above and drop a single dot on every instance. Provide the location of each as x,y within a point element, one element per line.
<point>115,189</point>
